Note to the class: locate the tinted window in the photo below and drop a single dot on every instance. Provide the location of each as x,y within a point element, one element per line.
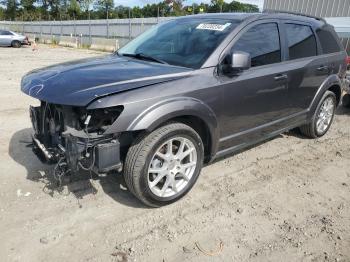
<point>262,43</point>
<point>6,33</point>
<point>301,41</point>
<point>328,43</point>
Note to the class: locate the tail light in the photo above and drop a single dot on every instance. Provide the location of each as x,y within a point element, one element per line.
<point>347,60</point>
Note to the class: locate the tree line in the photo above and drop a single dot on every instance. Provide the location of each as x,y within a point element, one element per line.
<point>36,10</point>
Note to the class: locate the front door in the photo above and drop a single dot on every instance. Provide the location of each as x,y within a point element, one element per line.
<point>256,98</point>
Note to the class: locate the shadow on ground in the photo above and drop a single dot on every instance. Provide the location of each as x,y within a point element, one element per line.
<point>79,185</point>
<point>343,111</point>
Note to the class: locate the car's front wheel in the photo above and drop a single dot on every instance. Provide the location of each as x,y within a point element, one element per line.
<point>161,167</point>
<point>322,118</point>
<point>16,44</point>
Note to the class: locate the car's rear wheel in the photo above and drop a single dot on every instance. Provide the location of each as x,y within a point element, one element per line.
<point>322,118</point>
<point>161,167</point>
<point>16,44</point>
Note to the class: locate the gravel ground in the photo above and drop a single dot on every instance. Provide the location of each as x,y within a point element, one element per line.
<point>287,199</point>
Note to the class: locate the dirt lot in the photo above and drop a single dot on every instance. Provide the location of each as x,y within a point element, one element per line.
<point>285,200</point>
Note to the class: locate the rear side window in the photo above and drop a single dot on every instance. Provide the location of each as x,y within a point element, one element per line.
<point>301,41</point>
<point>328,42</point>
<point>262,42</point>
<point>6,33</point>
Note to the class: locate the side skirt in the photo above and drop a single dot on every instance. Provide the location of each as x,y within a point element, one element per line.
<point>240,147</point>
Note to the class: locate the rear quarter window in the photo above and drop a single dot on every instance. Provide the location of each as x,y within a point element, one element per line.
<point>328,42</point>
<point>6,33</point>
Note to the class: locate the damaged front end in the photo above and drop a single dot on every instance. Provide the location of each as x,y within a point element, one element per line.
<point>74,138</point>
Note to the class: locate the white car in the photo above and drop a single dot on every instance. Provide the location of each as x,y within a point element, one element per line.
<point>9,38</point>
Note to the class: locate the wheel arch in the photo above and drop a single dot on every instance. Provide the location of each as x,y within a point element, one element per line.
<point>201,127</point>
<point>336,89</point>
<point>332,83</point>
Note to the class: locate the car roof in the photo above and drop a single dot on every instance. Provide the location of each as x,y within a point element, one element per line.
<point>235,16</point>
<point>256,16</point>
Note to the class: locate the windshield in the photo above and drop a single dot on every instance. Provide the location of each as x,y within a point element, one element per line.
<point>181,42</point>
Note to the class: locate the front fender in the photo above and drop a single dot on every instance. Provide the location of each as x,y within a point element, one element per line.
<point>165,110</point>
<point>148,116</point>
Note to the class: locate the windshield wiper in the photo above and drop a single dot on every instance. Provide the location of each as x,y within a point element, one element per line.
<point>144,57</point>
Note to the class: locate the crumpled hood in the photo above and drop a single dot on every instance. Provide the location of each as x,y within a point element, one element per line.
<point>79,82</point>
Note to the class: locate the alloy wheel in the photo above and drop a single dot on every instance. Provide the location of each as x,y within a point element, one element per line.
<point>325,115</point>
<point>172,167</point>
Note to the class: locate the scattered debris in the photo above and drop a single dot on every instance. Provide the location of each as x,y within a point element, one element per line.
<point>187,250</point>
<point>44,240</point>
<point>211,253</point>
<point>19,193</point>
<point>122,187</point>
<point>121,256</point>
<point>338,154</point>
<point>239,210</point>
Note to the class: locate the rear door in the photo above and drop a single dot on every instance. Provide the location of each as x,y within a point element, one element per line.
<point>2,38</point>
<point>306,68</point>
<point>6,38</point>
<point>332,49</point>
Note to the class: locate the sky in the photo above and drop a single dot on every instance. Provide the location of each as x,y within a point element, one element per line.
<point>141,3</point>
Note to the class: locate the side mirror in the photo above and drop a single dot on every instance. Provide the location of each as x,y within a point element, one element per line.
<point>240,60</point>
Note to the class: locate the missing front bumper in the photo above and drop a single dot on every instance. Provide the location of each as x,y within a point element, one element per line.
<point>100,158</point>
<point>59,137</point>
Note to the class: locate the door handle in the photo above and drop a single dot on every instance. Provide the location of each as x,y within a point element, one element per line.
<point>280,77</point>
<point>322,68</point>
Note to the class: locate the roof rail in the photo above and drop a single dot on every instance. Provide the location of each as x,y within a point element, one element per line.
<point>273,11</point>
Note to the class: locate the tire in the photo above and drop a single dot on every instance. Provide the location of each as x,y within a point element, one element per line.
<point>16,44</point>
<point>311,130</point>
<point>142,156</point>
<point>346,100</point>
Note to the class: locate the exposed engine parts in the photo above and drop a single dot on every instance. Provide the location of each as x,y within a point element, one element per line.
<point>74,138</point>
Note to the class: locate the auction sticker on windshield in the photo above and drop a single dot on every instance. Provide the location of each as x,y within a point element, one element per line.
<point>215,27</point>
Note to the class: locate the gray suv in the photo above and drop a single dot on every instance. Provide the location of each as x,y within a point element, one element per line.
<point>184,93</point>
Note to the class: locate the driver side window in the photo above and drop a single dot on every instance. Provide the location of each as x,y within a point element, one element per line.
<point>262,42</point>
